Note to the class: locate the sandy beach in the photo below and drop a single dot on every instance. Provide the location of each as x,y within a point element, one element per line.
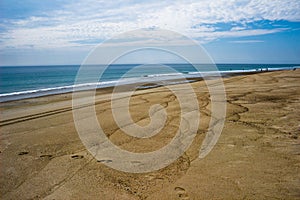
<point>256,157</point>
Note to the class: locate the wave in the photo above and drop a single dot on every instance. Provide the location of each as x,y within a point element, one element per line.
<point>162,75</point>
<point>84,85</point>
<point>261,69</point>
<point>54,90</point>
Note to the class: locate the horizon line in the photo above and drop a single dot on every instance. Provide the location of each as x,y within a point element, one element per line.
<point>225,63</point>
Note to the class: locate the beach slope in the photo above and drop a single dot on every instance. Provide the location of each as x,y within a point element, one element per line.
<point>256,157</point>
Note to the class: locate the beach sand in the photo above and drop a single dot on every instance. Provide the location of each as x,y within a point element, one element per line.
<point>256,157</point>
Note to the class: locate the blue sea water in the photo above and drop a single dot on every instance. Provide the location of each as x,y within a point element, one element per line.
<point>18,82</point>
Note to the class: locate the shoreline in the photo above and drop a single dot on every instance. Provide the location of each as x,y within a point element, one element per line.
<point>16,96</point>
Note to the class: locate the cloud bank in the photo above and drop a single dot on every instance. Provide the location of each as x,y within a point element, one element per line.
<point>87,22</point>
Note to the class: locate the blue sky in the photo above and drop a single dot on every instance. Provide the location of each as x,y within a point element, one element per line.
<point>34,32</point>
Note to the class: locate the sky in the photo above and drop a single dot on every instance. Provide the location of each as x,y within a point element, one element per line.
<point>34,32</point>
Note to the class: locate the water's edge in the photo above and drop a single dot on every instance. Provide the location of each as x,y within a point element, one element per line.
<point>145,82</point>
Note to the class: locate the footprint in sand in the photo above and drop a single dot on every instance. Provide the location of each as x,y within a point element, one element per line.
<point>181,193</point>
<point>23,153</point>
<point>104,161</point>
<point>48,156</point>
<point>77,156</point>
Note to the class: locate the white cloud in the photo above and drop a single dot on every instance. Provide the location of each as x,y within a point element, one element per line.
<point>91,20</point>
<point>237,28</point>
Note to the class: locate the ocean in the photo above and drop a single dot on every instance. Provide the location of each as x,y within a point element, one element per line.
<point>20,82</point>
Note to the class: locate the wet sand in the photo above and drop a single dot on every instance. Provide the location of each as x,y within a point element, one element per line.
<point>256,157</point>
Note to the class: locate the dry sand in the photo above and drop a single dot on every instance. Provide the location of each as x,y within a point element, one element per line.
<point>256,157</point>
